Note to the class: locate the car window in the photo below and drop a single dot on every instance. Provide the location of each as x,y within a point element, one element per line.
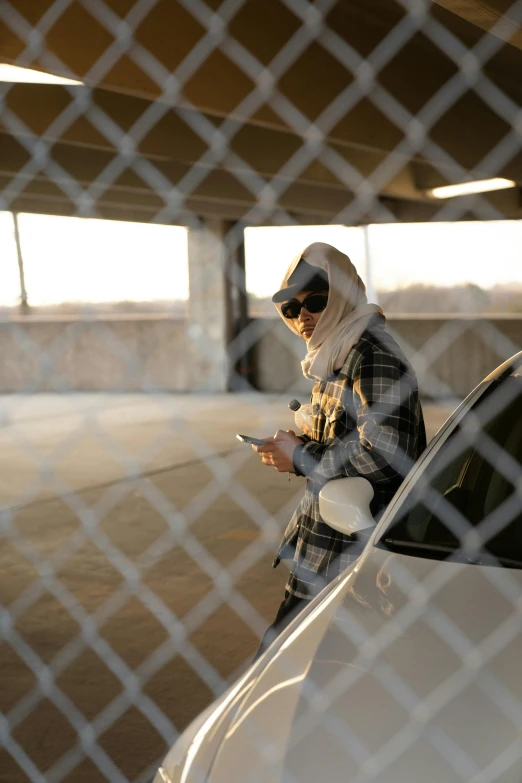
<point>466,505</point>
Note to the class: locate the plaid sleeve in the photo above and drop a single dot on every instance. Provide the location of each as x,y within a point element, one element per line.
<point>386,407</point>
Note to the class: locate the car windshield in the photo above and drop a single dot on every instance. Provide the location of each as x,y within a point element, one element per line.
<point>467,504</point>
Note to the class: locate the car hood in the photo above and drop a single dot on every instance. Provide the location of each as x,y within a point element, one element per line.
<point>409,669</point>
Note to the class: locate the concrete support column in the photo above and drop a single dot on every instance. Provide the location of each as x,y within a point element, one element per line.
<point>371,293</point>
<point>240,351</point>
<point>210,317</point>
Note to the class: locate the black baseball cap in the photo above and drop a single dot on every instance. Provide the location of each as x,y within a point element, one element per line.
<point>305,277</point>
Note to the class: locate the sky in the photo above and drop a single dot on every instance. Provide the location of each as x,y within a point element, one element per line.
<point>81,260</point>
<point>269,251</point>
<point>482,252</point>
<point>485,253</point>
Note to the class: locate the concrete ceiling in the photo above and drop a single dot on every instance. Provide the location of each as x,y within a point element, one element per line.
<point>211,146</point>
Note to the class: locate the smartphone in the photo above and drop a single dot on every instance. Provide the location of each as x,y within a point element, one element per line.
<point>248,439</point>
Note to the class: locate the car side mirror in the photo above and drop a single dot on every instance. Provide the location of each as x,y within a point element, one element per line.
<point>344,504</point>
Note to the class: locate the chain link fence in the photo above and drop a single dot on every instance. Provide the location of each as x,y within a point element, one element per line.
<point>136,541</point>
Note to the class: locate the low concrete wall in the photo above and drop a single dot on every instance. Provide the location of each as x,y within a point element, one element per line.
<point>119,353</point>
<point>451,355</point>
<point>146,353</point>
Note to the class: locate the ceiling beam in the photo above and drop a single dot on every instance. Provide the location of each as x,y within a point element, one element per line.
<point>223,81</point>
<point>173,138</point>
<point>487,18</point>
<point>362,140</point>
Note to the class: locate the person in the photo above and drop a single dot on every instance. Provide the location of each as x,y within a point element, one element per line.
<point>366,416</point>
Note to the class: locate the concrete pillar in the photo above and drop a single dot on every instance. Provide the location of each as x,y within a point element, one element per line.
<point>240,353</point>
<point>210,319</point>
<point>371,293</point>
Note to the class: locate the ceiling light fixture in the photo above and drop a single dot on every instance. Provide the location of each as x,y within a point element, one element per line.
<point>14,74</point>
<point>466,188</point>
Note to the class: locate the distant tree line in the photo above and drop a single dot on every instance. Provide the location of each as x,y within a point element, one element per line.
<point>174,307</point>
<point>423,298</point>
<point>417,298</point>
<point>466,298</point>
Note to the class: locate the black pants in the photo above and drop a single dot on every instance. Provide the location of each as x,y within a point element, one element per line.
<point>289,608</point>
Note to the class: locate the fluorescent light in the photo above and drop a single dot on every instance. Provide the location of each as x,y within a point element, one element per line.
<point>12,73</point>
<point>465,188</point>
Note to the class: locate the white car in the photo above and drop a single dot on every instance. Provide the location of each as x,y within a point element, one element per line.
<point>408,667</point>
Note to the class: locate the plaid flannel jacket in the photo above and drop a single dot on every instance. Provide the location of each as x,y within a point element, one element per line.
<point>367,421</point>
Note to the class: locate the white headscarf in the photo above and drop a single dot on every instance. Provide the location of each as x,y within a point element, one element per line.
<point>345,318</point>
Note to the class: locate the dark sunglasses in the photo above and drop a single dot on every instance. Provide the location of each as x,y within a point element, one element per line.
<point>315,303</point>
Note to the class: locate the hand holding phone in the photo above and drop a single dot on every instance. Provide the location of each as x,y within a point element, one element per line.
<point>249,439</point>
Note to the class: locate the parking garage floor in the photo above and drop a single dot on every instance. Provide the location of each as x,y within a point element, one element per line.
<point>137,511</point>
